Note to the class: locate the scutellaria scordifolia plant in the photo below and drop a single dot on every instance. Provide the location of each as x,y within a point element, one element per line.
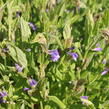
<point>54,54</point>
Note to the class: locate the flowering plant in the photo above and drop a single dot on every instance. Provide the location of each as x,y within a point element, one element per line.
<point>54,54</point>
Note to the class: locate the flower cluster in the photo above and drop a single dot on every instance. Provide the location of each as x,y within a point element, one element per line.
<point>55,55</point>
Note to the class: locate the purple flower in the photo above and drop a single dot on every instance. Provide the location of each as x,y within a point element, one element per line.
<point>97,45</point>
<point>32,82</point>
<point>47,10</point>
<point>5,50</point>
<point>2,101</point>
<point>33,26</point>
<point>105,71</point>
<point>3,94</point>
<point>71,48</point>
<point>26,89</point>
<point>18,68</point>
<point>97,49</point>
<point>104,61</point>
<point>85,100</point>
<point>84,97</point>
<point>73,55</point>
<point>54,55</point>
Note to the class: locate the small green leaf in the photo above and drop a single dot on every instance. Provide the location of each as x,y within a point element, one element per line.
<point>2,67</point>
<point>47,107</point>
<point>34,99</point>
<point>25,30</point>
<point>57,101</point>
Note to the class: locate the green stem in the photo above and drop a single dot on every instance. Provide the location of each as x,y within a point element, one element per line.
<point>5,62</point>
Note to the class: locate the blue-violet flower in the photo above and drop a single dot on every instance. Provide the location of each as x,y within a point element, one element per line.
<point>97,49</point>
<point>26,89</point>
<point>32,82</point>
<point>54,55</point>
<point>73,55</point>
<point>33,26</point>
<point>18,68</point>
<point>105,71</point>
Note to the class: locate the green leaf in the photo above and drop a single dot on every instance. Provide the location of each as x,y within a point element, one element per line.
<point>47,107</point>
<point>2,67</point>
<point>25,30</point>
<point>105,105</point>
<point>22,106</point>
<point>34,99</point>
<point>18,55</point>
<point>57,101</point>
<point>41,105</point>
<point>89,25</point>
<point>61,11</point>
<point>67,31</point>
<point>11,106</point>
<point>106,17</point>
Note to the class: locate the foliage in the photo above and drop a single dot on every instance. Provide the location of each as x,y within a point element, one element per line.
<point>53,52</point>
